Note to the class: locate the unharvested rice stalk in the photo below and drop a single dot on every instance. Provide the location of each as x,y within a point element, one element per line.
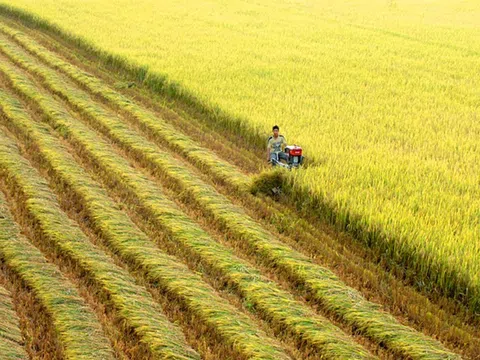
<point>236,330</point>
<point>346,303</point>
<point>75,325</point>
<point>133,305</point>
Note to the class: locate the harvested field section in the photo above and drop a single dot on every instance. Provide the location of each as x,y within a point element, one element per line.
<point>134,307</point>
<point>78,332</point>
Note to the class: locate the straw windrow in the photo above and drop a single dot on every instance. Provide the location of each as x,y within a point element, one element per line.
<point>323,285</point>
<point>133,305</point>
<point>75,325</point>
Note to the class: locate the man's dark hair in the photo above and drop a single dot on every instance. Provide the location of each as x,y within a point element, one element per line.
<point>275,127</point>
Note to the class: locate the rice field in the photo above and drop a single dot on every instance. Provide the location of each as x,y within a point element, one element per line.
<point>382,95</point>
<point>129,232</point>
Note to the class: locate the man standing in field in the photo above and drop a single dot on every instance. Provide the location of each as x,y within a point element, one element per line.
<point>275,146</point>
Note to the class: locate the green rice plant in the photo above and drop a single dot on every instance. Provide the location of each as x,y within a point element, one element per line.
<point>275,304</point>
<point>11,341</point>
<point>133,305</point>
<point>75,325</point>
<point>236,330</point>
<point>150,123</point>
<point>324,286</point>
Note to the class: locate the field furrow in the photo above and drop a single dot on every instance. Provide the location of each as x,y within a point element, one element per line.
<point>11,341</point>
<point>74,324</point>
<point>165,272</point>
<point>150,123</point>
<point>340,300</point>
<point>134,307</point>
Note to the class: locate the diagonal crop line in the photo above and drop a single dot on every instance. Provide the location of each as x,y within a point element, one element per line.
<point>236,329</point>
<point>148,121</point>
<point>325,287</point>
<point>134,305</point>
<point>276,304</point>
<point>11,342</point>
<point>76,326</point>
